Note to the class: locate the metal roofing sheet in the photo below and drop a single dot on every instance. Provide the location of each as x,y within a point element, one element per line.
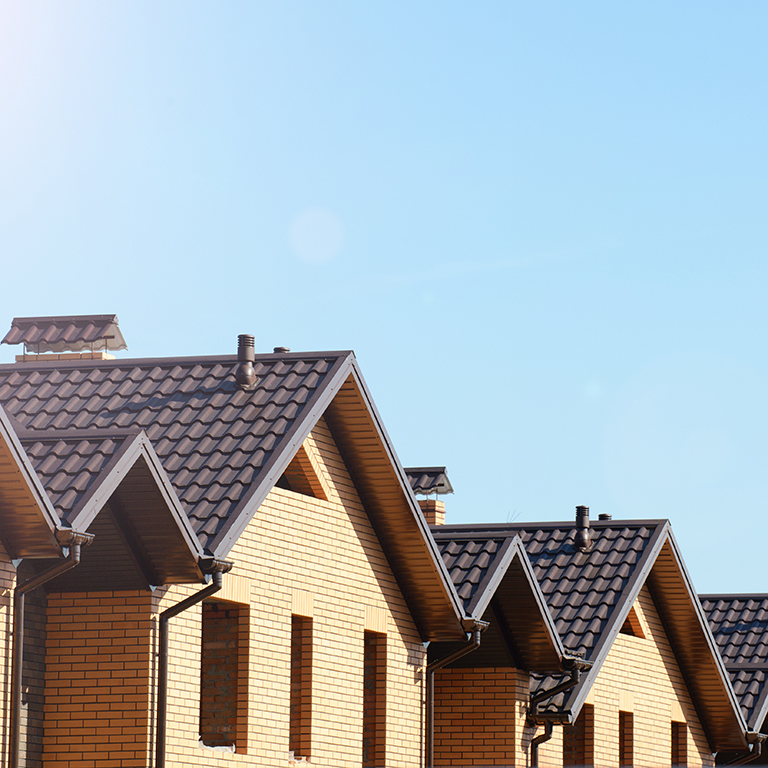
<point>582,588</point>
<point>212,438</point>
<point>66,333</point>
<point>740,626</point>
<point>68,466</point>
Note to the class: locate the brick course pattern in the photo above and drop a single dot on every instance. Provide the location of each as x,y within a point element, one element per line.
<point>480,717</point>
<point>98,680</point>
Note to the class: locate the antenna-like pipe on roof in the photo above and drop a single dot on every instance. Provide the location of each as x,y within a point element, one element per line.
<point>583,541</point>
<point>246,354</point>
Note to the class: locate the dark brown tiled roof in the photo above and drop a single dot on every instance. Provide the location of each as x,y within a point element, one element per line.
<point>213,439</point>
<point>470,562</point>
<point>583,590</point>
<point>740,626</point>
<point>425,480</point>
<point>72,332</point>
<point>69,465</point>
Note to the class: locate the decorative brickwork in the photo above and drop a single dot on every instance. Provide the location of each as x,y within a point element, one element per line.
<point>326,556</point>
<point>300,739</point>
<point>579,739</point>
<point>640,676</point>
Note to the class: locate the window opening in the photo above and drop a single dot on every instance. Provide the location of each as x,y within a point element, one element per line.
<point>579,739</point>
<point>626,739</point>
<point>223,674</point>
<point>300,739</point>
<point>679,744</point>
<point>374,699</point>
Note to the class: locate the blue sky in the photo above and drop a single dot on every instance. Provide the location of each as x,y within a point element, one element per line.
<point>542,227</point>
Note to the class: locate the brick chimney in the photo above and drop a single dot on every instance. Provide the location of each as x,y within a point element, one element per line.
<point>433,510</point>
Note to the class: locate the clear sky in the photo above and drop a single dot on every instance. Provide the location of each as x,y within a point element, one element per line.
<point>541,226</point>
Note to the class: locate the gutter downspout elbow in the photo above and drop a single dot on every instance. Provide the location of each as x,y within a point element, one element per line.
<point>476,627</point>
<point>72,540</point>
<point>218,569</point>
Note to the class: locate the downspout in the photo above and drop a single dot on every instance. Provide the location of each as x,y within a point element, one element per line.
<point>74,541</point>
<point>473,643</point>
<point>218,568</point>
<point>577,666</point>
<point>756,739</point>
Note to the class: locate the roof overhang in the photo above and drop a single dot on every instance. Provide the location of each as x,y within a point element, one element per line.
<point>521,631</point>
<point>381,482</point>
<point>142,535</point>
<point>28,521</point>
<point>663,570</point>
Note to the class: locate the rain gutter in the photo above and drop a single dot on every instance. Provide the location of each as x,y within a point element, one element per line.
<point>474,629</point>
<point>216,570</point>
<point>72,540</point>
<point>756,749</point>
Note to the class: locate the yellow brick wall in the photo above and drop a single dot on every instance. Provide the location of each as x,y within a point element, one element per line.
<point>98,683</point>
<point>640,675</point>
<point>306,556</point>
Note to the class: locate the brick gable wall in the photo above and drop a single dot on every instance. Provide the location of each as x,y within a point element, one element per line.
<point>640,676</point>
<point>311,557</point>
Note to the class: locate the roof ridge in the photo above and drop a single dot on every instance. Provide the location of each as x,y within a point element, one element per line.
<point>165,361</point>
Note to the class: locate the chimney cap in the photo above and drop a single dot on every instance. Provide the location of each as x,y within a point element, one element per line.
<point>279,350</point>
<point>604,516</point>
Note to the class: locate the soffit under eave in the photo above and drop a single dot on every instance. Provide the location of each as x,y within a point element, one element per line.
<point>27,519</point>
<point>696,651</point>
<point>147,519</point>
<point>528,623</point>
<point>399,524</point>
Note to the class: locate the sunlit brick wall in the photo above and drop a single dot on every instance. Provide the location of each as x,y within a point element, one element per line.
<point>309,557</point>
<point>98,680</point>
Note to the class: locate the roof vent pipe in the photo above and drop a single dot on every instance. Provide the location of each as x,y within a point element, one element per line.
<point>583,541</point>
<point>604,516</point>
<point>246,354</point>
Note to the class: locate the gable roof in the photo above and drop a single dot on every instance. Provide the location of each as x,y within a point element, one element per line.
<point>223,449</point>
<point>496,582</point>
<point>739,623</point>
<point>590,594</point>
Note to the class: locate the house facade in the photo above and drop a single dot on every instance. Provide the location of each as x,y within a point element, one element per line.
<point>220,560</point>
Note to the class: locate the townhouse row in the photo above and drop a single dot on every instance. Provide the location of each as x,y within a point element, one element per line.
<point>219,560</point>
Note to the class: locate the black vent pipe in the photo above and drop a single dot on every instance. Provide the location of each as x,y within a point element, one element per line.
<point>583,541</point>
<point>245,376</point>
<point>74,541</point>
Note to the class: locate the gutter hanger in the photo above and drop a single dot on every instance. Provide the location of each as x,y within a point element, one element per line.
<point>756,741</point>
